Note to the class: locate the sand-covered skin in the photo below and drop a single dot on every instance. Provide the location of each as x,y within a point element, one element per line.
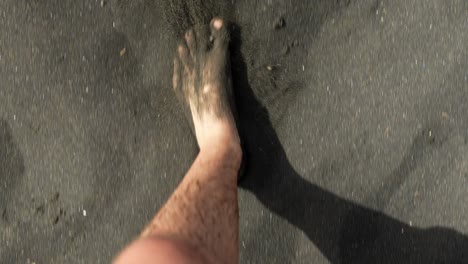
<point>365,107</point>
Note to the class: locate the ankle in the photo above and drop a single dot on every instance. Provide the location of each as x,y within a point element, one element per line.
<point>225,152</point>
<point>216,133</point>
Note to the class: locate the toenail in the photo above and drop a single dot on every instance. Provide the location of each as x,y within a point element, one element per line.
<point>181,50</point>
<point>218,23</point>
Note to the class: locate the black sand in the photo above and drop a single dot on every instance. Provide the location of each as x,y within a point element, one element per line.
<point>354,115</point>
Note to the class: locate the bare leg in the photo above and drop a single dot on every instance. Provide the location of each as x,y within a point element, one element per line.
<point>199,223</point>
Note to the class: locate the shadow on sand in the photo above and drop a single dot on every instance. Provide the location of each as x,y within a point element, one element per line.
<point>11,169</point>
<point>343,231</point>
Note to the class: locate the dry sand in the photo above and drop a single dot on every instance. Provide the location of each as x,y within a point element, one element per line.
<point>354,115</point>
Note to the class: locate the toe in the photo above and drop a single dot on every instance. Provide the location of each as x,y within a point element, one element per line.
<point>190,39</point>
<point>219,33</point>
<point>184,56</point>
<point>176,76</point>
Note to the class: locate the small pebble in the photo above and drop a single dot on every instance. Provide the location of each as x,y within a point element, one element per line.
<point>280,23</point>
<point>84,212</point>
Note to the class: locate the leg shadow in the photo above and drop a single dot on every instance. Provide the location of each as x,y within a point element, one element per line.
<point>11,169</point>
<point>343,231</point>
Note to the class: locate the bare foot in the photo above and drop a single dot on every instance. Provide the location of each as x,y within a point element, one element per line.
<point>202,82</point>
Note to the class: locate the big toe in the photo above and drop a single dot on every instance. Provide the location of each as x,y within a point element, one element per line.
<point>219,33</point>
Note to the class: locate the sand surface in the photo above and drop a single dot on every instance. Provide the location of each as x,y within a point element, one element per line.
<point>354,115</point>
